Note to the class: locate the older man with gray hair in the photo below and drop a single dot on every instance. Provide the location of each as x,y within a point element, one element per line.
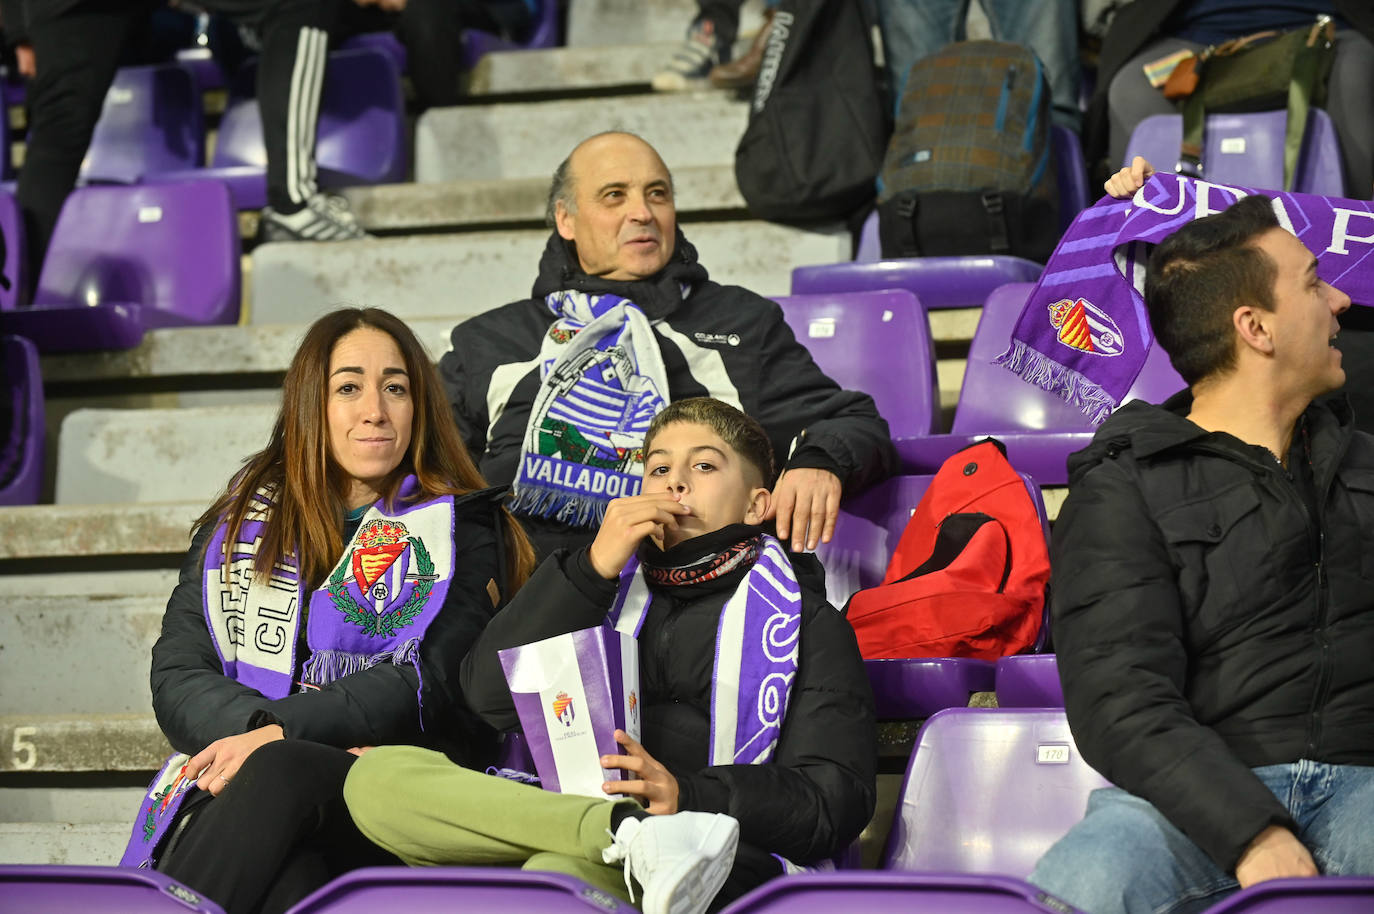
<point>554,393</point>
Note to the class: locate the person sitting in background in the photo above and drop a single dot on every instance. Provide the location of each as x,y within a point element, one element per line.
<point>796,778</point>
<point>555,392</point>
<point>327,600</point>
<point>1148,30</point>
<point>1213,605</point>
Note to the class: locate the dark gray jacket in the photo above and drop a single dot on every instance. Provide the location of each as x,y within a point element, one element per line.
<point>1207,621</point>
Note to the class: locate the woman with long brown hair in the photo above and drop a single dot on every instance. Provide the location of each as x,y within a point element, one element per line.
<point>325,605</point>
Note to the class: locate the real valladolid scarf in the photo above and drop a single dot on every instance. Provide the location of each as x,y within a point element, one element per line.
<point>1084,333</point>
<point>373,607</point>
<point>603,382</point>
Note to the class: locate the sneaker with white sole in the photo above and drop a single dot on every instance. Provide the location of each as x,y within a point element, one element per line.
<point>324,217</point>
<point>691,64</point>
<point>680,861</point>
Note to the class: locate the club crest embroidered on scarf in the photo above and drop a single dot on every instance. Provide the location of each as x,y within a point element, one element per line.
<point>392,576</point>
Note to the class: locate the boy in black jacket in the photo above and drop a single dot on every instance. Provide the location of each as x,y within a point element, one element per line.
<point>758,720</point>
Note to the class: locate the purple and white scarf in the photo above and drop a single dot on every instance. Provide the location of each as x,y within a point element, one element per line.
<point>1084,332</point>
<point>756,653</point>
<point>603,381</point>
<point>374,607</point>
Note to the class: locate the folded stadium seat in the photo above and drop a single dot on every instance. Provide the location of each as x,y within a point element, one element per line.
<point>21,444</point>
<point>444,889</point>
<point>544,34</point>
<point>988,790</point>
<point>950,282</point>
<point>1039,428</point>
<point>50,889</point>
<point>1029,681</point>
<point>1247,149</point>
<point>876,342</point>
<point>866,533</point>
<point>125,259</point>
<point>360,139</point>
<point>1327,895</point>
<point>203,66</point>
<point>896,893</point>
<point>151,122</point>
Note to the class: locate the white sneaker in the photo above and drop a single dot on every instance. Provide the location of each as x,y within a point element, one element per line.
<point>324,217</point>
<point>680,861</point>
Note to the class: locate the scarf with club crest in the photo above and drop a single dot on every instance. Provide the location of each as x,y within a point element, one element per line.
<point>1084,332</point>
<point>373,607</point>
<point>603,381</point>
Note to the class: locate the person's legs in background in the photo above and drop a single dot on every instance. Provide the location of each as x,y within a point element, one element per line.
<point>1131,98</point>
<point>1050,29</point>
<point>709,40</point>
<point>1347,101</point>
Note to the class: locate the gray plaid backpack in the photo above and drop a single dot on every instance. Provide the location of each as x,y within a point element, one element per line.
<point>968,169</point>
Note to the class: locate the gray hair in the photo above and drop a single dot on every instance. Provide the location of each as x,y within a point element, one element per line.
<point>561,187</point>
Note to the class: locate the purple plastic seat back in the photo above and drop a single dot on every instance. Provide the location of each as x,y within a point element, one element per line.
<point>876,342</point>
<point>939,282</point>
<point>52,889</point>
<point>151,122</point>
<point>994,400</point>
<point>386,42</point>
<point>172,250</point>
<point>204,68</point>
<point>1327,895</point>
<point>360,138</point>
<point>1069,169</point>
<point>21,448</point>
<point>1247,149</point>
<point>896,893</point>
<point>1029,681</point>
<point>14,278</point>
<point>544,34</point>
<point>988,790</point>
<point>444,889</point>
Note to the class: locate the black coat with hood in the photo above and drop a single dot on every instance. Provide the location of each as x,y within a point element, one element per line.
<point>815,796</point>
<point>1208,620</point>
<point>718,341</point>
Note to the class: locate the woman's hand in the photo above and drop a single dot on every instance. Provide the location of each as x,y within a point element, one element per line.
<point>1130,179</point>
<point>218,762</point>
<point>656,788</point>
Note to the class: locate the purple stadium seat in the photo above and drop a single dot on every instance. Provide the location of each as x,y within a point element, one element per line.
<point>361,136</point>
<point>96,890</point>
<point>988,790</point>
<point>866,533</point>
<point>1247,149</point>
<point>896,893</point>
<point>151,122</point>
<point>14,273</point>
<point>386,42</point>
<point>876,342</point>
<point>444,889</point>
<point>203,66</point>
<point>1326,895</point>
<point>1029,681</point>
<point>1039,429</point>
<point>125,259</point>
<point>21,447</point>
<point>477,43</point>
<point>939,282</point>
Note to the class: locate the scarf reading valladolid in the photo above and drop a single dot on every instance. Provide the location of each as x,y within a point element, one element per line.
<point>603,381</point>
<point>1084,332</point>
<point>756,647</point>
<point>373,607</point>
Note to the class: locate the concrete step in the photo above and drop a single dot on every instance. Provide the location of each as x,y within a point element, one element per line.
<point>465,204</point>
<point>81,742</point>
<point>567,70</point>
<point>97,531</point>
<point>622,22</point>
<point>528,140</point>
<point>441,275</point>
<point>89,844</point>
<point>69,805</point>
<point>78,653</point>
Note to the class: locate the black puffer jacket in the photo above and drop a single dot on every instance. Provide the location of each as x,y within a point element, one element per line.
<point>1207,622</point>
<point>816,795</point>
<point>721,341</point>
<point>197,704</point>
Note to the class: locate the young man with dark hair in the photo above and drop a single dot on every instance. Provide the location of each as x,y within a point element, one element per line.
<point>758,721</point>
<point>1213,598</point>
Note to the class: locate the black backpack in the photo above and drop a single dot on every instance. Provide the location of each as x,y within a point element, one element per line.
<point>818,120</point>
<point>969,168</point>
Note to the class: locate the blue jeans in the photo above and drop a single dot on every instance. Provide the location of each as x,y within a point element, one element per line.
<point>1126,857</point>
<point>913,29</point>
